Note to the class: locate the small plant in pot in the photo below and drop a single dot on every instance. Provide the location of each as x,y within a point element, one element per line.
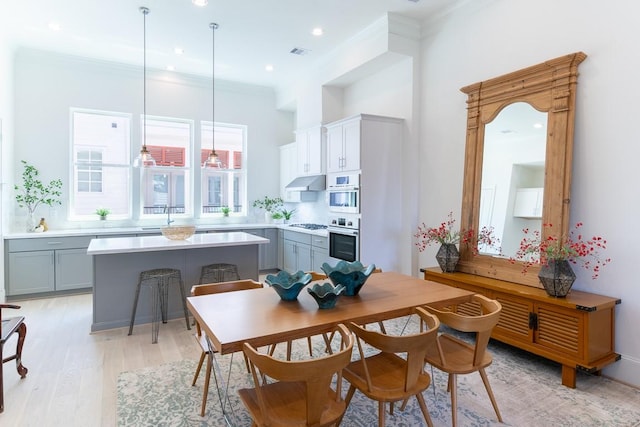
<point>102,213</point>
<point>270,205</point>
<point>225,210</point>
<point>277,216</point>
<point>287,214</point>
<point>34,192</point>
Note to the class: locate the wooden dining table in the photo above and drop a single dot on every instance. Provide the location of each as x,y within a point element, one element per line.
<point>261,318</point>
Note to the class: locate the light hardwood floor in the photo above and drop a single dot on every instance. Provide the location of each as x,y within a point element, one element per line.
<point>73,372</point>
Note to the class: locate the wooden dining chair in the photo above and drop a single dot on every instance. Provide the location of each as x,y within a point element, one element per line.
<point>208,289</point>
<point>395,372</point>
<point>8,327</point>
<point>297,393</point>
<point>457,357</point>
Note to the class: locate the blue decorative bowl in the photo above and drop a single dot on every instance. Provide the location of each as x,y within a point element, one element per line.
<point>351,275</point>
<point>288,286</point>
<point>326,295</point>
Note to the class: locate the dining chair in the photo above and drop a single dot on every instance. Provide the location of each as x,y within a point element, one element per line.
<point>8,327</point>
<point>208,289</point>
<point>395,372</point>
<point>456,356</point>
<point>297,392</point>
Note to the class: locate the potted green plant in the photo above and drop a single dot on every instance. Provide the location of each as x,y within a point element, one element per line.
<point>287,214</point>
<point>277,216</point>
<point>269,204</point>
<point>34,192</point>
<point>102,213</point>
<point>225,210</point>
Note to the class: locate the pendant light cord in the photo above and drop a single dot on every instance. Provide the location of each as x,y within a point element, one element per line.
<point>145,12</point>
<point>213,27</point>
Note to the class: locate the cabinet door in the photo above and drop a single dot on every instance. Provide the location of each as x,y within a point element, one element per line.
<point>31,272</point>
<point>74,269</point>
<point>351,139</point>
<point>302,148</point>
<point>318,257</point>
<point>315,156</point>
<point>335,149</point>
<point>303,252</point>
<point>528,203</point>
<point>559,330</point>
<point>290,262</point>
<point>288,171</point>
<point>515,319</point>
<point>270,249</point>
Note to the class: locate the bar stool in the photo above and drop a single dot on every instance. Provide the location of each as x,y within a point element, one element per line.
<point>158,280</point>
<point>221,272</point>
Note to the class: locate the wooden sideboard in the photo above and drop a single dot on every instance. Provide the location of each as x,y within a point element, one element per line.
<point>577,331</point>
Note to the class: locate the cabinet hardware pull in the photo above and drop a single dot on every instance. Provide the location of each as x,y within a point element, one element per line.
<point>533,321</point>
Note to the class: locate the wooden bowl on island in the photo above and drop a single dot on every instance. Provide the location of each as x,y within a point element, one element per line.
<point>178,232</point>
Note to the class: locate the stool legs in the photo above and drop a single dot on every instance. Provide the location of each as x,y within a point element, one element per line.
<point>159,281</point>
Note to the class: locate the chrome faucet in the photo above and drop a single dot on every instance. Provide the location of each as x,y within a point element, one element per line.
<point>168,211</point>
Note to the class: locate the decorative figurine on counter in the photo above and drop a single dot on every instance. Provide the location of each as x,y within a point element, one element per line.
<point>42,227</point>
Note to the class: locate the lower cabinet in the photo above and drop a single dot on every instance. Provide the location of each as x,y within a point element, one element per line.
<point>39,265</point>
<point>577,331</point>
<point>303,251</point>
<point>319,252</point>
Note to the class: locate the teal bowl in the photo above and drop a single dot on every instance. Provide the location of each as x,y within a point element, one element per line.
<point>325,294</point>
<point>351,275</point>
<point>287,285</point>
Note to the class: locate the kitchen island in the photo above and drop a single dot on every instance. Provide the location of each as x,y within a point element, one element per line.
<point>117,263</point>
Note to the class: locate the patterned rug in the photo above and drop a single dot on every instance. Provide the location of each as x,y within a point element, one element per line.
<point>527,389</point>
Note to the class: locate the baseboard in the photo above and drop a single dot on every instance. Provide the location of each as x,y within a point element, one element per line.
<point>626,371</point>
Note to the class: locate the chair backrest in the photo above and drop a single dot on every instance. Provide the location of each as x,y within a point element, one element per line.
<point>413,346</point>
<point>316,374</point>
<point>220,287</point>
<point>316,276</point>
<point>482,324</point>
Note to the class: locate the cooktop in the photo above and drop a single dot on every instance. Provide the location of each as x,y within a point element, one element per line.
<point>309,226</point>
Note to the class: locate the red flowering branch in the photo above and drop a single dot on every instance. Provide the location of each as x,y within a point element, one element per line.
<point>445,234</point>
<point>573,248</point>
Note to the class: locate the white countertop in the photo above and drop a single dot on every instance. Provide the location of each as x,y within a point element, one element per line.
<point>106,231</point>
<point>119,245</point>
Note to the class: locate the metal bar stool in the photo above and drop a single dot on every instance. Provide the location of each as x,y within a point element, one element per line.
<point>221,272</point>
<point>158,281</point>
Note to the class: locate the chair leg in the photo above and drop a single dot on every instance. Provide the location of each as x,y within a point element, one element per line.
<point>485,380</point>
<point>347,399</point>
<point>207,377</point>
<point>200,362</point>
<point>184,304</point>
<point>309,345</point>
<point>454,399</point>
<point>423,408</point>
<point>381,414</point>
<point>135,306</point>
<point>22,334</point>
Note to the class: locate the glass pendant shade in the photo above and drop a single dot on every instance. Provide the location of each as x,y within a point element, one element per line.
<point>212,161</point>
<point>144,159</point>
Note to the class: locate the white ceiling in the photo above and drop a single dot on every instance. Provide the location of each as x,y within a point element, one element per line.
<point>252,33</point>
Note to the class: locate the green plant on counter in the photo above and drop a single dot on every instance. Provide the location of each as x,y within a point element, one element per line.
<point>277,215</point>
<point>102,212</point>
<point>225,210</point>
<point>288,214</point>
<point>268,204</point>
<point>33,192</point>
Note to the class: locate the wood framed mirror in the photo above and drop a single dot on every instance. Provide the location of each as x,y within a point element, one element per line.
<point>539,182</point>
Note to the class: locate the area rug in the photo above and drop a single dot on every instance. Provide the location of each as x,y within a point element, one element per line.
<point>527,389</point>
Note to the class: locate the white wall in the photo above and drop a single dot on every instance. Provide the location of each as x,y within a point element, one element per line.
<point>47,85</point>
<point>489,38</point>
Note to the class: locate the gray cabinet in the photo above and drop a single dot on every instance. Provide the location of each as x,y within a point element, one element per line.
<point>48,264</point>
<point>280,249</point>
<point>319,252</point>
<point>267,253</point>
<point>304,251</point>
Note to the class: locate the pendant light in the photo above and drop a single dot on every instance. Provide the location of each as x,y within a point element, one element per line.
<point>213,161</point>
<point>144,159</point>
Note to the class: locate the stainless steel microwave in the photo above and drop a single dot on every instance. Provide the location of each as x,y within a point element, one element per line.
<point>343,193</point>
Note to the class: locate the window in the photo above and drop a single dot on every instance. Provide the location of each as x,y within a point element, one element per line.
<point>100,153</point>
<point>225,186</point>
<point>168,185</point>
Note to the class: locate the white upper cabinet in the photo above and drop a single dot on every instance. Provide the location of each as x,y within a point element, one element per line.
<point>311,152</point>
<point>288,171</point>
<point>528,203</point>
<point>343,146</point>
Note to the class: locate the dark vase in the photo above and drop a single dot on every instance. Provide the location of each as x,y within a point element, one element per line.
<point>448,257</point>
<point>557,277</point>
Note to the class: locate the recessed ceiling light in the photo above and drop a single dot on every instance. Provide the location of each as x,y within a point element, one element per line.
<point>268,67</point>
<point>200,3</point>
<point>171,68</point>
<point>178,51</point>
<point>317,31</point>
<point>54,26</point>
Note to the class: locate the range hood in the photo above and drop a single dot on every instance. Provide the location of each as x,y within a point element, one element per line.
<point>308,183</point>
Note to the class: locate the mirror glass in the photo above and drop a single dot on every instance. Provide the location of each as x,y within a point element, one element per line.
<point>513,162</point>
